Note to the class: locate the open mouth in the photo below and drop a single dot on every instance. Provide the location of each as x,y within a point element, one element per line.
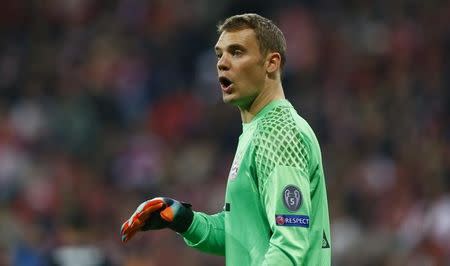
<point>225,82</point>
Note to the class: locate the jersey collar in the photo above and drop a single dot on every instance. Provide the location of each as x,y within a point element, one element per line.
<point>270,106</point>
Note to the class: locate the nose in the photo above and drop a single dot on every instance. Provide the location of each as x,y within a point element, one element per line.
<point>223,63</point>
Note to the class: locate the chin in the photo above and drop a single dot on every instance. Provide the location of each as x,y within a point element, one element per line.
<point>236,101</point>
<point>232,99</point>
<point>228,98</point>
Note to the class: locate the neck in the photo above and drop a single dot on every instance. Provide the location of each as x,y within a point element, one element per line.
<point>267,95</point>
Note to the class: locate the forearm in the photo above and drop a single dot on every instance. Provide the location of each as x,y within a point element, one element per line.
<point>206,233</point>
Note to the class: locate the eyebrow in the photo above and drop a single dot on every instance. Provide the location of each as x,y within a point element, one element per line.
<point>233,46</point>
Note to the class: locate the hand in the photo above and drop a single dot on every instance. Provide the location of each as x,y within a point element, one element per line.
<point>158,213</point>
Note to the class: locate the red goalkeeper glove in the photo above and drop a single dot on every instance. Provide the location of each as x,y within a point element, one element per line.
<point>158,213</point>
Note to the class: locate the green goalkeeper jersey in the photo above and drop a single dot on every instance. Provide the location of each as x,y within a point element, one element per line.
<point>276,210</point>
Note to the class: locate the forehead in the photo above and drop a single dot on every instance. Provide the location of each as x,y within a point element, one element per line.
<point>244,37</point>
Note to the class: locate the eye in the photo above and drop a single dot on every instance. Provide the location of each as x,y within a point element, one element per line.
<point>218,55</point>
<point>237,52</point>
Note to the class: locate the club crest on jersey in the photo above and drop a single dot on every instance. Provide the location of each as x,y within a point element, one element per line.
<point>292,198</point>
<point>234,168</point>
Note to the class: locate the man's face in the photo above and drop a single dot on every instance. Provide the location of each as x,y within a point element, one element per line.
<point>240,67</point>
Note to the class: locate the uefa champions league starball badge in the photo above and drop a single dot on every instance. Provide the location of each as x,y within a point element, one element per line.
<point>292,198</point>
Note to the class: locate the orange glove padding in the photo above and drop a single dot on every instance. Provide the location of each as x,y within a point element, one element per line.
<point>158,213</point>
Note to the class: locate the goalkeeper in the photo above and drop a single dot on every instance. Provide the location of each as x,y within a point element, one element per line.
<point>276,210</point>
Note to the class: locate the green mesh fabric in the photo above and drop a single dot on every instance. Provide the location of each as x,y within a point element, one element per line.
<point>278,143</point>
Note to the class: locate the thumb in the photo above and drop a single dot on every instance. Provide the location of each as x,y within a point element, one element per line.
<point>167,214</point>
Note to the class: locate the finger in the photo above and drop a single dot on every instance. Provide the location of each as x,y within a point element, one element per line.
<point>131,224</point>
<point>149,208</point>
<point>124,227</point>
<point>141,214</point>
<point>130,232</point>
<point>130,228</point>
<point>137,220</point>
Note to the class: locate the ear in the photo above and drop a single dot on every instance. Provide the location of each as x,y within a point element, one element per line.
<point>273,62</point>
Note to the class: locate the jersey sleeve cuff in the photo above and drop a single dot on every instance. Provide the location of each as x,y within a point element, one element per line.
<point>196,231</point>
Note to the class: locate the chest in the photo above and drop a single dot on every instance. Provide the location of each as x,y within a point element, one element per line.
<point>241,178</point>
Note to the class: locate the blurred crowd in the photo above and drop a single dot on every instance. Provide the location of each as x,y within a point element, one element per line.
<point>104,104</point>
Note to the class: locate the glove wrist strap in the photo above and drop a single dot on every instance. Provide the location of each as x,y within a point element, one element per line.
<point>183,220</point>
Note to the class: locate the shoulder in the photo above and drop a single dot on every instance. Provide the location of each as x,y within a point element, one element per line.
<point>281,125</point>
<point>281,135</point>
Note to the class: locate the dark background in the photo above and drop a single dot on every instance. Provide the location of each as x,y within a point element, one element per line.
<point>104,104</point>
